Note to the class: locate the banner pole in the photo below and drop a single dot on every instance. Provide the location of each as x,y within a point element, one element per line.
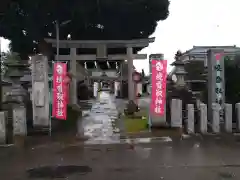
<point>150,93</point>
<point>68,88</point>
<point>51,104</point>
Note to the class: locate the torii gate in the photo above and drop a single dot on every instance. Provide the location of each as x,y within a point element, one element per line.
<point>101,55</point>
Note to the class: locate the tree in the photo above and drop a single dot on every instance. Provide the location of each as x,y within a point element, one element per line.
<point>26,23</point>
<point>232,86</point>
<point>232,71</point>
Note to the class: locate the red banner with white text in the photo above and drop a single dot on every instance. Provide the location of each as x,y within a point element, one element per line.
<point>60,91</point>
<point>159,77</point>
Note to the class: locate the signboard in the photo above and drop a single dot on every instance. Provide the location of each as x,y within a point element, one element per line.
<point>158,93</point>
<point>40,89</point>
<point>218,79</point>
<point>60,91</point>
<point>158,71</point>
<point>216,82</point>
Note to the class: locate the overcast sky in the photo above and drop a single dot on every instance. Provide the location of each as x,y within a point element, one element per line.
<point>192,22</point>
<point>196,22</point>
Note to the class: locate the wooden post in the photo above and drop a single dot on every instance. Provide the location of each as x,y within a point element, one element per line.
<point>130,74</point>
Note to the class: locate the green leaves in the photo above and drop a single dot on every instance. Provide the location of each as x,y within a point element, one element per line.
<point>125,19</point>
<point>232,86</point>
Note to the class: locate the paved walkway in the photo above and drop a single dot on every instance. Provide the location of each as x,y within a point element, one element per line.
<point>216,159</point>
<point>98,123</point>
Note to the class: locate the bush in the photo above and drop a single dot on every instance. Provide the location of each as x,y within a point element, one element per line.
<point>73,114</point>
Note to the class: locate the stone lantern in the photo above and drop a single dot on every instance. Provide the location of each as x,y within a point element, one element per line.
<point>180,90</point>
<point>179,73</point>
<point>15,102</point>
<point>15,70</point>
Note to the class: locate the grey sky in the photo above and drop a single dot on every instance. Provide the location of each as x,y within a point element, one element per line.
<point>192,22</point>
<point>196,22</point>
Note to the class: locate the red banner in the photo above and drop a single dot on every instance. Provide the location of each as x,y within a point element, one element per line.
<point>159,77</point>
<point>60,91</point>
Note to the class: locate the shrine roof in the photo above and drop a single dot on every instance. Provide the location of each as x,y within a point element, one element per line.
<point>203,49</point>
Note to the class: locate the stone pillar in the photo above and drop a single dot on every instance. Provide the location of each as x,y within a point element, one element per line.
<point>237,107</point>
<point>203,118</point>
<point>19,121</point>
<point>216,82</point>
<point>73,70</point>
<point>228,118</point>
<point>216,118</point>
<point>176,113</point>
<point>121,79</point>
<point>3,119</point>
<point>131,93</point>
<point>40,90</point>
<point>190,119</point>
<point>95,89</point>
<point>116,88</point>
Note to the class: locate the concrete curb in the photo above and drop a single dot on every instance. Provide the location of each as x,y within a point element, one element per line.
<point>133,141</point>
<point>145,140</point>
<point>6,145</point>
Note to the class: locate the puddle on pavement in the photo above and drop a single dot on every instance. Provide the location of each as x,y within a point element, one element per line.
<point>226,175</point>
<point>58,171</point>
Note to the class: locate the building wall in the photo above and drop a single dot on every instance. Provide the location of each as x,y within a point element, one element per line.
<point>200,53</point>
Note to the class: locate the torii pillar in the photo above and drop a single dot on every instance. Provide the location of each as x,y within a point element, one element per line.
<point>73,70</point>
<point>131,93</point>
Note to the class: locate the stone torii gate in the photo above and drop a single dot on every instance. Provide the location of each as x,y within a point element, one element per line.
<point>101,47</point>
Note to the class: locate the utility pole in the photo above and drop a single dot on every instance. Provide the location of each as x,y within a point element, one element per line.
<point>57,25</point>
<point>57,38</point>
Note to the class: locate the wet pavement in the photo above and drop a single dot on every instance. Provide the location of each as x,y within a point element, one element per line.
<point>102,157</point>
<point>214,159</point>
<point>98,122</point>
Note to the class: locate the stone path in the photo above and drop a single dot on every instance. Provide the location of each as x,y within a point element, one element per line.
<point>101,124</point>
<point>98,122</point>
